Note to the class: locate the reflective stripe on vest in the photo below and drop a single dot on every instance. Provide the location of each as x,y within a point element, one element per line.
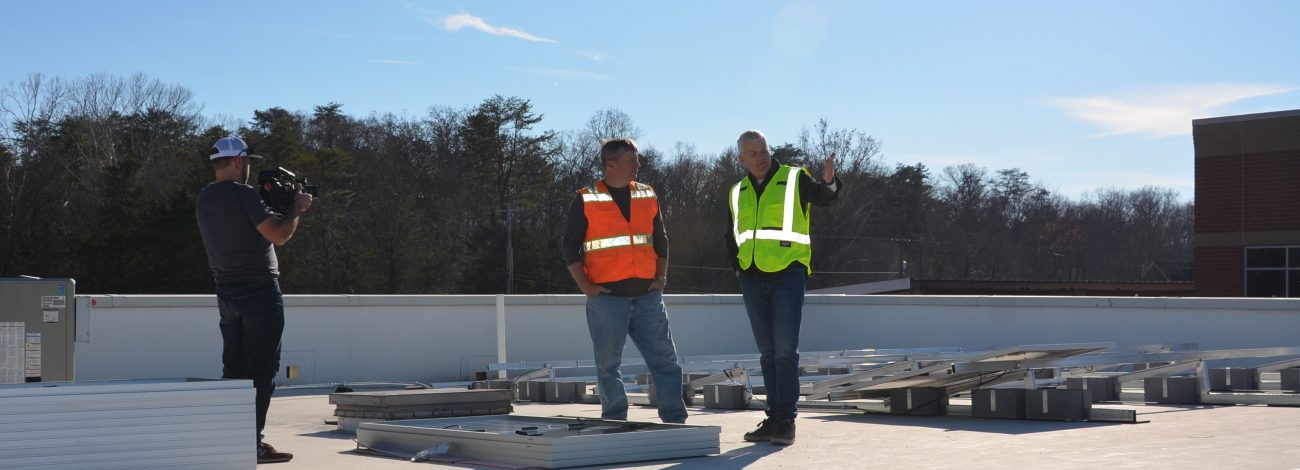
<point>605,197</point>
<point>612,242</point>
<point>751,239</point>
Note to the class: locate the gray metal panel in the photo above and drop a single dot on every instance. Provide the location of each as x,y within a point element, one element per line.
<point>121,386</point>
<point>128,424</point>
<point>157,458</point>
<point>108,418</point>
<point>134,441</point>
<point>172,426</point>
<point>135,401</point>
<point>429,397</point>
<point>494,439</point>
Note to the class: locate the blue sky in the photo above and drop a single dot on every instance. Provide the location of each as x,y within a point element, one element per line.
<point>1080,94</point>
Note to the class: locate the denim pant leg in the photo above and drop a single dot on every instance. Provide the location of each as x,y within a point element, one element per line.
<point>252,322</point>
<point>774,302</point>
<point>607,321</point>
<point>650,332</point>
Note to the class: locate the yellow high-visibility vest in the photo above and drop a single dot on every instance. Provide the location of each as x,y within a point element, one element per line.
<point>772,230</point>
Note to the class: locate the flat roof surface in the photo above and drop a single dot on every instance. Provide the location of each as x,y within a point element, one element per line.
<point>1257,437</point>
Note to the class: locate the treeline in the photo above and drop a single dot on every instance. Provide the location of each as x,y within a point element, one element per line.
<point>98,177</point>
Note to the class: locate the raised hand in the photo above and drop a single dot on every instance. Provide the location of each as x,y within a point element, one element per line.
<point>828,171</point>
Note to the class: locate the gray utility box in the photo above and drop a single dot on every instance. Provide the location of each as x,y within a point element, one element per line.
<point>998,403</point>
<point>1234,378</point>
<point>37,330</point>
<point>1102,388</point>
<point>727,396</point>
<point>918,401</point>
<point>1172,390</point>
<point>1291,379</point>
<point>1058,404</point>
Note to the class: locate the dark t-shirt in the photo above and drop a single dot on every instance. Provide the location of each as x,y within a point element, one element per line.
<point>228,214</point>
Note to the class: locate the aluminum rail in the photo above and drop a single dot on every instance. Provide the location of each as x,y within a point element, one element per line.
<point>1105,359</point>
<point>1279,365</point>
<point>1161,371</point>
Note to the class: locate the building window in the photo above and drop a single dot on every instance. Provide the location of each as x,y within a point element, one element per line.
<point>1273,271</point>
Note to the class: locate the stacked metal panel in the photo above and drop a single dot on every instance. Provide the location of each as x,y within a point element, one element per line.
<point>353,408</point>
<point>164,423</point>
<point>538,442</point>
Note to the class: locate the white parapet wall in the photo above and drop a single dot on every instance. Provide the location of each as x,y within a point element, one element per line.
<point>353,338</point>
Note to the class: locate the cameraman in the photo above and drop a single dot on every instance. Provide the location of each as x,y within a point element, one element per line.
<point>238,232</point>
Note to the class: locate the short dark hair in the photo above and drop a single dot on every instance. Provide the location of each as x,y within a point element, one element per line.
<point>612,148</point>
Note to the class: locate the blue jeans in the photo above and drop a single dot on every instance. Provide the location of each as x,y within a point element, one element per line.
<point>774,302</point>
<point>611,320</point>
<point>252,320</point>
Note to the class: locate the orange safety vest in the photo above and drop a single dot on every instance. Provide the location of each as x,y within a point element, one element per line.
<point>615,248</point>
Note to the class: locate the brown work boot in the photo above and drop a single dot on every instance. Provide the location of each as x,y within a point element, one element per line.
<point>783,433</point>
<point>763,433</point>
<point>268,454</point>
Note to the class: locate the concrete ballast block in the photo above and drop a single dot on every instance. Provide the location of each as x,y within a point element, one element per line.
<point>1006,403</point>
<point>728,396</point>
<point>1102,388</point>
<point>1233,378</point>
<point>1058,404</point>
<point>1172,390</point>
<point>918,401</point>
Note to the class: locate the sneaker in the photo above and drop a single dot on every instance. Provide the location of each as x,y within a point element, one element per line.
<point>268,454</point>
<point>783,433</point>
<point>763,433</point>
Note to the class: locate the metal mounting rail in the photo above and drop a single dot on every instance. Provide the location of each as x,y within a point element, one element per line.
<point>1106,359</point>
<point>1162,371</point>
<point>1279,365</point>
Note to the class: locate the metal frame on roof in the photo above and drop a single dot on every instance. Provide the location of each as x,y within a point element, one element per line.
<point>956,370</point>
<point>545,442</point>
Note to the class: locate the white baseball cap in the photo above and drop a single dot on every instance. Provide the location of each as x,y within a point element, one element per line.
<point>230,147</point>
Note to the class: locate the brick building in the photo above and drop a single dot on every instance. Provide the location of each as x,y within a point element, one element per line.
<point>1248,205</point>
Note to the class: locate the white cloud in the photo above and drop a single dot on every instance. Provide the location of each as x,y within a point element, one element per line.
<point>566,74</point>
<point>391,61</point>
<point>595,56</point>
<point>1160,112</point>
<point>460,21</point>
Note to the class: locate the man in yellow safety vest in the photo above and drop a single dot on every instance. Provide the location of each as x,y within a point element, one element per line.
<point>771,252</point>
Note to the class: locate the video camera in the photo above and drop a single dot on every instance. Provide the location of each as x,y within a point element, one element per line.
<point>280,186</point>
